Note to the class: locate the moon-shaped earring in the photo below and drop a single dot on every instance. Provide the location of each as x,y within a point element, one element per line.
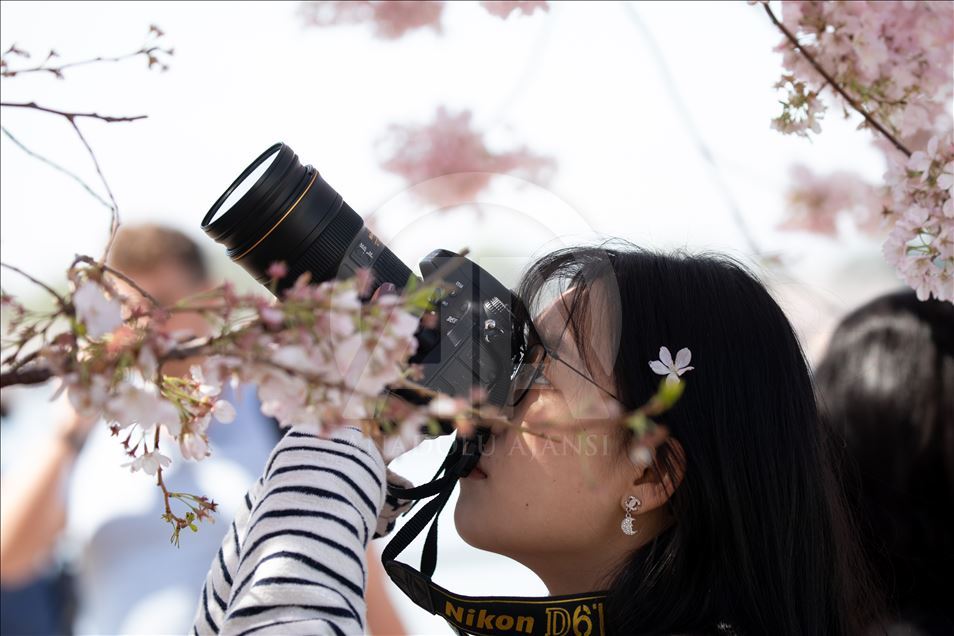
<point>632,503</point>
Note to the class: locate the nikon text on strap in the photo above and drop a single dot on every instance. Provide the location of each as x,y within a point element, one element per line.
<point>570,615</point>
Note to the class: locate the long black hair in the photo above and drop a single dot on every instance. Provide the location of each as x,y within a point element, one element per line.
<point>760,541</point>
<point>886,384</point>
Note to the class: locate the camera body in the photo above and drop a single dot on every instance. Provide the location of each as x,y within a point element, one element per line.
<point>279,210</point>
<point>474,334</point>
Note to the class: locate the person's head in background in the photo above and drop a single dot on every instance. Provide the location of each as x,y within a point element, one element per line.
<point>167,265</point>
<point>887,384</point>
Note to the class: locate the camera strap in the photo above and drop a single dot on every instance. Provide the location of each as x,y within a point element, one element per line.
<point>568,615</point>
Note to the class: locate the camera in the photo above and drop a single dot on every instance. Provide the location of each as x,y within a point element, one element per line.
<point>279,210</point>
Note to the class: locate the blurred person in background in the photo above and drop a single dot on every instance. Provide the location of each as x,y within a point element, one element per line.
<point>35,594</point>
<point>887,384</point>
<point>128,577</point>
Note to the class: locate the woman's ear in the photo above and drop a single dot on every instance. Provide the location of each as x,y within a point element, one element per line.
<point>657,476</point>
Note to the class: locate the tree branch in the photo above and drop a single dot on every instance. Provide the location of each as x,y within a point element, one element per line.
<point>26,376</point>
<point>841,91</point>
<point>71,118</point>
<point>118,274</point>
<point>55,166</point>
<point>106,118</point>
<point>114,212</point>
<point>33,280</point>
<point>58,70</point>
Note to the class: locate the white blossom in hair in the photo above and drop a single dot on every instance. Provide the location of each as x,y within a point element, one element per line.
<point>666,366</point>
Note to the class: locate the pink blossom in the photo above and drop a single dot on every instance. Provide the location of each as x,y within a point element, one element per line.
<point>450,147</point>
<point>896,57</point>
<point>133,405</point>
<point>202,386</point>
<point>503,9</point>
<point>408,436</point>
<point>801,110</point>
<point>920,210</point>
<point>391,20</point>
<point>271,316</point>
<point>88,399</point>
<point>669,368</point>
<point>640,455</point>
<point>194,446</point>
<point>101,314</point>
<point>815,201</point>
<point>150,463</point>
<point>224,411</point>
<point>147,362</point>
<point>277,270</point>
<point>446,407</point>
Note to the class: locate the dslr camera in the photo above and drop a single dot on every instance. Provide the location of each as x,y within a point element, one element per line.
<point>279,210</point>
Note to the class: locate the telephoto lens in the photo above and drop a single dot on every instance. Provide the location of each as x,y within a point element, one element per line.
<point>279,210</point>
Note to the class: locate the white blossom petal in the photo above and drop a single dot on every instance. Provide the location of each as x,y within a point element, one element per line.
<point>224,411</point>
<point>683,357</point>
<point>100,315</point>
<point>659,367</point>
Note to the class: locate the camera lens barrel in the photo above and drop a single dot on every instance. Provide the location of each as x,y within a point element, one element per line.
<point>279,210</point>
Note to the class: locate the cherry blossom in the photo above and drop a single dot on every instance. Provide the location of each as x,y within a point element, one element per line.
<point>892,62</point>
<point>88,399</point>
<point>640,455</point>
<point>801,111</point>
<point>277,270</point>
<point>130,405</point>
<point>451,146</point>
<point>391,20</point>
<point>407,437</point>
<point>100,313</point>
<point>815,201</point>
<point>919,244</point>
<point>149,463</point>
<point>446,407</point>
<point>224,411</point>
<point>194,446</point>
<point>503,9</point>
<point>672,369</point>
<point>895,58</point>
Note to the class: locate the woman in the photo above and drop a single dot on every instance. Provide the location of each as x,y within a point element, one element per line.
<point>739,525</point>
<point>887,382</point>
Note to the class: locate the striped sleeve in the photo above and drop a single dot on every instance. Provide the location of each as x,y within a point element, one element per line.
<point>293,561</point>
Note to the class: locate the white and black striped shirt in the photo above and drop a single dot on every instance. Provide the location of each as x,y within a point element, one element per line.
<point>294,559</point>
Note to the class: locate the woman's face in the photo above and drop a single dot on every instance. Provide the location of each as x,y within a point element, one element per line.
<point>555,499</point>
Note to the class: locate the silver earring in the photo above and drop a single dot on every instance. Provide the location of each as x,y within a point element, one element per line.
<point>632,503</point>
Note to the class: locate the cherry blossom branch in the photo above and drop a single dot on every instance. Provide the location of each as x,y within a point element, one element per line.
<point>62,302</point>
<point>114,216</point>
<point>55,166</point>
<point>834,84</point>
<point>71,118</point>
<point>80,258</point>
<point>26,376</point>
<point>70,115</point>
<point>162,486</point>
<point>148,51</point>
<point>709,157</point>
